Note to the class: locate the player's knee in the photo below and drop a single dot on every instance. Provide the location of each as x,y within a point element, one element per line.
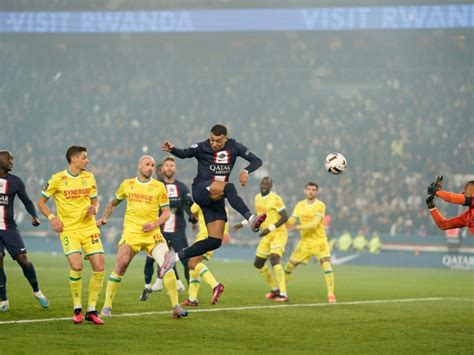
<point>275,259</point>
<point>76,268</point>
<point>22,260</point>
<point>192,263</point>
<point>213,243</point>
<point>259,262</point>
<point>324,260</point>
<point>229,189</point>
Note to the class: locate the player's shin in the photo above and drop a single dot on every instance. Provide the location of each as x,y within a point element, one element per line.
<point>3,285</point>
<point>280,276</point>
<point>289,268</point>
<point>95,286</point>
<point>268,276</point>
<point>200,248</point>
<point>237,203</point>
<point>169,280</point>
<point>329,277</point>
<point>194,283</point>
<point>206,275</point>
<point>30,274</point>
<point>113,285</point>
<point>148,270</point>
<point>75,283</point>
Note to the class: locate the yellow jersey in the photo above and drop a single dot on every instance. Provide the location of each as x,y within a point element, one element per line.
<point>144,201</point>
<point>197,211</point>
<point>272,205</point>
<point>72,194</point>
<point>308,215</point>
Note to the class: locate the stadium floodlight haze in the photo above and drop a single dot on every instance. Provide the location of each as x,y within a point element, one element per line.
<point>389,85</point>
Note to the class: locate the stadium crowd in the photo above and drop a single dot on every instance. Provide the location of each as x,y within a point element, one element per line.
<point>398,105</point>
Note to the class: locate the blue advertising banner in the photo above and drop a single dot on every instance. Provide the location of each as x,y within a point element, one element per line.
<point>241,20</point>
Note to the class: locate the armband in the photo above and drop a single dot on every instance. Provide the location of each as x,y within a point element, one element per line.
<point>51,216</point>
<point>468,201</point>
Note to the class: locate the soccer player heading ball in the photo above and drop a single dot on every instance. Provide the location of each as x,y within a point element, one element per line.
<point>216,157</point>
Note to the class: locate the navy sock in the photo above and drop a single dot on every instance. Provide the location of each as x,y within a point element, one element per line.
<point>148,271</point>
<point>30,274</point>
<point>3,285</point>
<point>237,203</point>
<point>200,248</point>
<point>186,269</point>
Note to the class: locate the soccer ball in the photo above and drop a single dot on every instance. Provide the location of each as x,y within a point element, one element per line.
<point>335,163</point>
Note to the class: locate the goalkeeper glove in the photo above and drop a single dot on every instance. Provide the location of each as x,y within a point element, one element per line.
<point>435,186</point>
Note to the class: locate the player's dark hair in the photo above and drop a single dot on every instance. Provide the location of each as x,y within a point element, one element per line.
<point>5,152</point>
<point>219,130</point>
<point>268,178</point>
<point>168,158</point>
<point>471,182</point>
<point>74,150</point>
<point>311,183</point>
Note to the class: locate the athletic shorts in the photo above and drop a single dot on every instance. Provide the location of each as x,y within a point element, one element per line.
<point>176,240</point>
<point>12,241</point>
<point>87,240</point>
<point>305,250</point>
<point>272,243</point>
<point>142,241</point>
<point>211,210</point>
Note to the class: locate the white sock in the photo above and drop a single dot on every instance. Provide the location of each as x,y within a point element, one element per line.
<point>76,306</point>
<point>39,294</point>
<point>147,285</point>
<point>90,309</point>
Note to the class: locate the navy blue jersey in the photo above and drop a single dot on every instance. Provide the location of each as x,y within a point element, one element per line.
<point>10,186</point>
<point>217,165</point>
<point>180,202</point>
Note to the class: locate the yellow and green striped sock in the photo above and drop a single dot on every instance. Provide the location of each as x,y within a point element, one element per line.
<point>280,276</point>
<point>95,286</point>
<point>194,283</point>
<point>112,287</point>
<point>268,276</point>
<point>206,275</point>
<point>75,283</point>
<point>329,277</point>
<point>169,281</point>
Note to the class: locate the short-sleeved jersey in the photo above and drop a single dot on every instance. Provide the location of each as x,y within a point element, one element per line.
<point>217,165</point>
<point>180,199</point>
<point>144,201</point>
<point>72,194</point>
<point>272,205</point>
<point>10,186</point>
<point>307,213</point>
<point>197,211</point>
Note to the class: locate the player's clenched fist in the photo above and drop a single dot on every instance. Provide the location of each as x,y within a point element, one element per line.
<point>167,146</point>
<point>244,176</point>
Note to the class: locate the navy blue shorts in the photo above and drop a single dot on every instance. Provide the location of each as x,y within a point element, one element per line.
<point>177,240</point>
<point>12,241</point>
<point>212,210</point>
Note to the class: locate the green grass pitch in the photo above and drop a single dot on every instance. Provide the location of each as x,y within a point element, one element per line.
<point>411,311</point>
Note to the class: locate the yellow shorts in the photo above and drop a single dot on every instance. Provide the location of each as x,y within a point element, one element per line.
<point>87,240</point>
<point>272,243</point>
<point>305,250</point>
<point>142,241</point>
<point>202,236</point>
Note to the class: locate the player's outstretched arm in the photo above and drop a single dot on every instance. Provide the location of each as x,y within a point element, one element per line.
<point>451,197</point>
<point>444,223</point>
<point>30,207</point>
<point>109,209</point>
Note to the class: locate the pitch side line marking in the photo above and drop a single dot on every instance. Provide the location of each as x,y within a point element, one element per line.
<point>402,300</point>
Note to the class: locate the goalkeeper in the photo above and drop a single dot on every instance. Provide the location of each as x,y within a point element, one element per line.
<point>465,219</point>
